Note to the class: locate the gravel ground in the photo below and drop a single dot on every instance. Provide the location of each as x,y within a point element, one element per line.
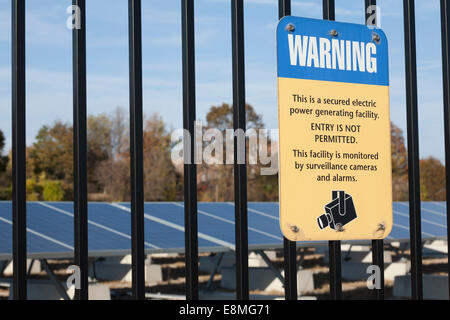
<point>174,278</point>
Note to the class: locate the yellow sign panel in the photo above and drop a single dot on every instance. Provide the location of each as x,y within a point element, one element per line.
<point>334,139</point>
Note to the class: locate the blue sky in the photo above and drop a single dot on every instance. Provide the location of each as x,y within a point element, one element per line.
<point>49,80</point>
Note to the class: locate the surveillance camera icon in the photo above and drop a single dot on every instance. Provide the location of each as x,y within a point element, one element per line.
<point>339,212</point>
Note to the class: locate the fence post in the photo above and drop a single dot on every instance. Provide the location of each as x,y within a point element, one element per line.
<point>413,150</point>
<point>377,245</point>
<point>445,34</point>
<point>334,247</point>
<point>19,152</point>
<point>240,169</point>
<point>290,247</point>
<point>190,169</point>
<point>136,149</point>
<point>80,149</point>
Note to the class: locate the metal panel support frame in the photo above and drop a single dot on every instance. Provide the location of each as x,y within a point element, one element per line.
<point>209,284</point>
<point>266,259</point>
<point>3,265</point>
<point>30,267</point>
<point>271,266</point>
<point>59,287</point>
<point>301,258</point>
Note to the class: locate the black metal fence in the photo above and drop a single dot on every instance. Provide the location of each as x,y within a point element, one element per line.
<point>190,176</point>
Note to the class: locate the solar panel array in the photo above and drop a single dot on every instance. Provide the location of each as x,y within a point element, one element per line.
<point>50,227</point>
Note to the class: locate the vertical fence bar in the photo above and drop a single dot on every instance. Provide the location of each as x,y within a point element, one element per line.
<point>284,8</point>
<point>369,13</point>
<point>445,34</point>
<point>80,146</point>
<point>190,167</point>
<point>328,10</point>
<point>334,247</point>
<point>240,168</point>
<point>378,260</point>
<point>290,270</point>
<point>19,152</point>
<point>377,245</point>
<point>290,248</point>
<point>136,149</point>
<point>413,149</point>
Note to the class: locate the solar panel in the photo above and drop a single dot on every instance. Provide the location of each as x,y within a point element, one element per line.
<point>50,227</point>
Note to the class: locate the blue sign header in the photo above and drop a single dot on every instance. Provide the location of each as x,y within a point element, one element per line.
<point>331,51</point>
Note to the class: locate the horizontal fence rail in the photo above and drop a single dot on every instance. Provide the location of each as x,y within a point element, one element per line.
<point>81,253</point>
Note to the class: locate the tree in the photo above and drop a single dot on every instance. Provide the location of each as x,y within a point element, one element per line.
<point>5,179</point>
<point>432,172</point>
<point>52,190</point>
<point>52,153</point>
<point>119,131</point>
<point>51,156</point>
<point>398,152</point>
<point>113,173</point>
<point>3,159</point>
<point>99,147</point>
<point>217,180</point>
<point>399,160</point>
<point>161,181</point>
<point>114,177</point>
<point>221,117</point>
<point>432,179</point>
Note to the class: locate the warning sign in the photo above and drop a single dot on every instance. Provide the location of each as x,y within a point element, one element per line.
<point>335,148</point>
